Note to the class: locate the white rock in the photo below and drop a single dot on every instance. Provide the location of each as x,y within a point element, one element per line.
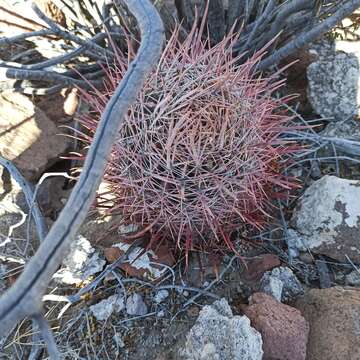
<point>295,243</point>
<point>281,283</point>
<point>272,286</point>
<point>81,262</point>
<point>328,218</point>
<point>135,305</point>
<point>103,309</point>
<point>143,261</point>
<point>160,296</point>
<point>217,334</point>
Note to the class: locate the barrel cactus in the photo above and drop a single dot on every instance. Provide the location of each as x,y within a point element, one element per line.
<point>201,152</point>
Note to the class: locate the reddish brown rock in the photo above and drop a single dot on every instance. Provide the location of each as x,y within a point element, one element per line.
<point>283,329</point>
<point>27,136</point>
<point>334,317</point>
<point>257,266</point>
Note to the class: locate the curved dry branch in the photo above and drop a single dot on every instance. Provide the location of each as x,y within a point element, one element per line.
<point>25,297</point>
<point>307,36</point>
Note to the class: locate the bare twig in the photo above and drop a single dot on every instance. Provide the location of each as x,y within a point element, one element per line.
<point>307,36</point>
<point>28,192</point>
<point>47,336</point>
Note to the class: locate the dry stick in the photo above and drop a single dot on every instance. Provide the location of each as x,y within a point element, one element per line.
<point>39,75</point>
<point>24,298</point>
<point>28,192</point>
<point>20,37</point>
<point>31,90</point>
<point>307,36</point>
<point>69,36</point>
<point>263,17</point>
<point>61,59</point>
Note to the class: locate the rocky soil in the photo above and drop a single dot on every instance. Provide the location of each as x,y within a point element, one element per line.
<point>294,295</point>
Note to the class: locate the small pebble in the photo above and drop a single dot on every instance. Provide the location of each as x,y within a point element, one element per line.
<point>160,314</point>
<point>135,305</point>
<point>103,309</point>
<point>160,296</point>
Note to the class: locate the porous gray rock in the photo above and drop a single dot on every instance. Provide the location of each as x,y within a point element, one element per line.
<point>217,335</point>
<point>81,262</point>
<point>333,83</point>
<point>328,218</point>
<point>135,305</point>
<point>103,309</point>
<point>282,284</point>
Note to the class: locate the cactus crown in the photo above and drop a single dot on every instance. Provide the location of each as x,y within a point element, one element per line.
<point>200,152</point>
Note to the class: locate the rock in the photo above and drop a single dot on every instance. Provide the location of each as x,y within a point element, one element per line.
<point>283,329</point>
<point>333,84</point>
<point>81,262</point>
<point>348,130</point>
<point>58,108</point>
<point>258,265</point>
<point>295,243</point>
<point>217,334</point>
<point>51,11</point>
<point>27,136</point>
<point>272,286</point>
<point>333,315</point>
<point>328,217</point>
<point>281,283</point>
<point>103,309</point>
<point>353,278</point>
<point>160,296</point>
<point>141,263</point>
<point>135,305</point>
